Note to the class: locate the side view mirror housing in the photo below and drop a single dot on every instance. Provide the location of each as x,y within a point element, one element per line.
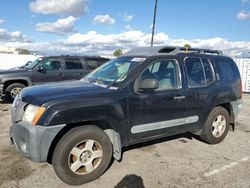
<point>149,84</point>
<point>41,69</point>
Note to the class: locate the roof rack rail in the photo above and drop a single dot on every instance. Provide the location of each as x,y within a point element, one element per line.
<point>169,50</point>
<point>200,50</point>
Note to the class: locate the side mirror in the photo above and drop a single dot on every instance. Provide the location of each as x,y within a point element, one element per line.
<point>41,69</point>
<point>149,84</point>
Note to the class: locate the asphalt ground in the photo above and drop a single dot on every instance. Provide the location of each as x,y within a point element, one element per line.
<point>178,161</point>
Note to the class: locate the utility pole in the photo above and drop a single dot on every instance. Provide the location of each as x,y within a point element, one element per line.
<point>153,28</point>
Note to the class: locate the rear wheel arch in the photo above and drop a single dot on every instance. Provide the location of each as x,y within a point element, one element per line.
<point>229,108</point>
<point>104,125</point>
<point>218,121</point>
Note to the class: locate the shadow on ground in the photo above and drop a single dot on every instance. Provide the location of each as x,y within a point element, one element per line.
<point>131,181</point>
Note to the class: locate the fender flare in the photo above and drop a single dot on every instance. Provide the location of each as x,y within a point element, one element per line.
<point>116,141</point>
<point>27,79</point>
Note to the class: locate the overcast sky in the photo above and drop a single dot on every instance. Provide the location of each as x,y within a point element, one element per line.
<point>101,26</point>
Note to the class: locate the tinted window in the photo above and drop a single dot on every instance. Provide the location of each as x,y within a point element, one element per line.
<point>73,65</point>
<point>165,71</point>
<point>195,74</point>
<point>52,65</point>
<point>199,72</point>
<point>102,61</point>
<point>227,69</point>
<point>92,64</point>
<point>208,71</point>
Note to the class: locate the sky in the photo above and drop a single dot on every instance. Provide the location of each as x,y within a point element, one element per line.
<point>99,27</point>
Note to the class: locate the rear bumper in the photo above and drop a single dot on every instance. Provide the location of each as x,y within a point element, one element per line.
<point>33,142</point>
<point>237,107</point>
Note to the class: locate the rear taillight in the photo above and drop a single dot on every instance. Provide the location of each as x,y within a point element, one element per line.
<point>240,88</point>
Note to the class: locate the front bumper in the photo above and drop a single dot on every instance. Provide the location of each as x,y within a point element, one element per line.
<point>33,142</point>
<point>1,91</point>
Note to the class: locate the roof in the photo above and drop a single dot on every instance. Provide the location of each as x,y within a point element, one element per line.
<point>169,50</point>
<point>76,57</point>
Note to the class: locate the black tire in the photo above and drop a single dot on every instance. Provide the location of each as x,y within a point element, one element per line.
<point>207,134</point>
<point>62,153</point>
<point>10,88</point>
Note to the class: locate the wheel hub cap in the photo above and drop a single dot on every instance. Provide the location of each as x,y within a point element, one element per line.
<point>15,91</point>
<point>219,126</point>
<point>85,157</point>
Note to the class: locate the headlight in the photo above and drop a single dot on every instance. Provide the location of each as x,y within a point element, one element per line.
<point>32,114</point>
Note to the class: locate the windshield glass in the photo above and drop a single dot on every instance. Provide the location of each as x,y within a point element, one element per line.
<point>115,71</point>
<point>33,63</point>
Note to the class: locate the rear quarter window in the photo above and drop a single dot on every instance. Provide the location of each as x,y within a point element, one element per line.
<point>227,69</point>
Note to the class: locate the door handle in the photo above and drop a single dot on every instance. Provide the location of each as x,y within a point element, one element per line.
<point>179,97</point>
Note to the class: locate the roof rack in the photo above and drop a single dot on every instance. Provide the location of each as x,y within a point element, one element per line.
<point>169,50</point>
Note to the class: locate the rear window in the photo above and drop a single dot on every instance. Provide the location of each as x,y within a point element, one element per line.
<point>227,69</point>
<point>199,72</point>
<point>71,65</point>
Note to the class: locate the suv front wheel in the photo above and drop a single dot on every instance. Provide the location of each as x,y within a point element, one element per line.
<point>13,90</point>
<point>82,155</point>
<point>216,126</point>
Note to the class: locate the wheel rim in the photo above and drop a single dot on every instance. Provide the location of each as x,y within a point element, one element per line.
<point>15,91</point>
<point>219,126</point>
<point>85,157</point>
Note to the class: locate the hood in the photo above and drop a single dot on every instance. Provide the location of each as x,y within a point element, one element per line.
<point>38,95</point>
<point>13,70</point>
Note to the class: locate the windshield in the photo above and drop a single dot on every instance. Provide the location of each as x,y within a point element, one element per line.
<point>32,64</point>
<point>115,71</point>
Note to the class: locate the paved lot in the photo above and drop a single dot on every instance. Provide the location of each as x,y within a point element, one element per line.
<point>180,161</point>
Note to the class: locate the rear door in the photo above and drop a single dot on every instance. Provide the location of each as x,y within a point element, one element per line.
<point>50,70</point>
<point>201,88</point>
<point>73,69</point>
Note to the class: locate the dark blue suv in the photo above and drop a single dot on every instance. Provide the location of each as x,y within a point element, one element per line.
<point>147,93</point>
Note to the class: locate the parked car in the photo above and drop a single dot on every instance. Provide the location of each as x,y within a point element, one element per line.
<point>148,93</point>
<point>44,70</point>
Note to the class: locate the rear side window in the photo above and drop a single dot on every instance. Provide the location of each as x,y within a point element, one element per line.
<point>227,69</point>
<point>199,72</point>
<point>208,71</point>
<point>91,63</point>
<point>72,65</point>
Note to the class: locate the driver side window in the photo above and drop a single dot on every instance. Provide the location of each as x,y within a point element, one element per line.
<point>166,72</point>
<point>51,65</point>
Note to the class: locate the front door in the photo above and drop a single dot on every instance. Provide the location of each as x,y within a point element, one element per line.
<point>49,71</point>
<point>161,111</point>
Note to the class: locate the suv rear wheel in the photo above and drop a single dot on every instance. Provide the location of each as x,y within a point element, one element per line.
<point>216,126</point>
<point>13,90</point>
<point>82,155</point>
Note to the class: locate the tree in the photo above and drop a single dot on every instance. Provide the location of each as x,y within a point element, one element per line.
<point>117,53</point>
<point>187,46</point>
<point>24,51</point>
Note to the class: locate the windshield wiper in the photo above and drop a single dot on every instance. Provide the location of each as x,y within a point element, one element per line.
<point>123,75</point>
<point>98,81</point>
